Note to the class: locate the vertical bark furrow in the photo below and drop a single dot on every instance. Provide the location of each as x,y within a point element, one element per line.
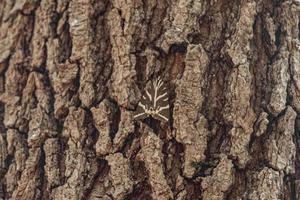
<point>151,154</point>
<point>188,103</point>
<point>280,146</point>
<point>216,186</point>
<point>123,20</point>
<point>238,112</point>
<point>119,175</point>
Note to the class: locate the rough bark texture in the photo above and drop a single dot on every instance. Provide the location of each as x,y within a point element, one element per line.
<point>73,71</point>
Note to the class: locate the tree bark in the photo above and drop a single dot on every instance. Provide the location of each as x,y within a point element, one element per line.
<point>73,71</point>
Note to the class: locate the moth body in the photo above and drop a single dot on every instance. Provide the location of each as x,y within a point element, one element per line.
<point>154,102</point>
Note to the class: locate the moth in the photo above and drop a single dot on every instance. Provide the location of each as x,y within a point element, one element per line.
<point>154,103</point>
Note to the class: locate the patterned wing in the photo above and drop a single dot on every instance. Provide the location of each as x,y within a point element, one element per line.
<point>143,106</point>
<point>154,102</point>
<point>160,101</point>
<point>140,113</point>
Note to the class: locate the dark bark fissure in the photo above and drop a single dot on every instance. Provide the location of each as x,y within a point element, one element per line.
<point>43,180</point>
<point>114,118</point>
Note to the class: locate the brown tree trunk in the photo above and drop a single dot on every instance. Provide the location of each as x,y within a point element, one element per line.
<point>73,71</point>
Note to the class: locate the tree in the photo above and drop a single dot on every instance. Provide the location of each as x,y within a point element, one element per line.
<point>73,72</point>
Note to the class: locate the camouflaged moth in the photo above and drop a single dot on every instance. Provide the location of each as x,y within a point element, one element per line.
<point>155,102</point>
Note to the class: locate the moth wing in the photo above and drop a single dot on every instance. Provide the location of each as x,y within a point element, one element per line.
<point>140,112</point>
<point>163,115</point>
<point>162,102</point>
